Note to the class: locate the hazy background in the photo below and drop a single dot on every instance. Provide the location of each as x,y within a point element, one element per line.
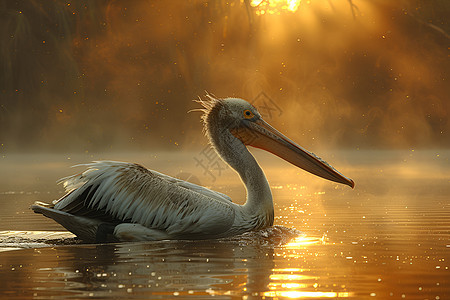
<point>89,76</point>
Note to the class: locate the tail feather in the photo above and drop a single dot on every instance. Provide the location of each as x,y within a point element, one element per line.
<point>83,228</point>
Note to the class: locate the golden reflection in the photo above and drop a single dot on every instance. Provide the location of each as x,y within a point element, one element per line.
<point>298,282</point>
<point>299,294</point>
<point>274,6</point>
<point>302,241</point>
<point>288,277</point>
<point>290,270</point>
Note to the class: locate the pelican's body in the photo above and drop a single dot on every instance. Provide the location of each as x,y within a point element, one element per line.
<point>122,201</point>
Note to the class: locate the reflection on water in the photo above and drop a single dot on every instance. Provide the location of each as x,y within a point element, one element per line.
<point>388,238</point>
<point>225,267</point>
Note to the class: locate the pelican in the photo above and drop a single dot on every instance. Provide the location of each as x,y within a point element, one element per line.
<point>118,201</point>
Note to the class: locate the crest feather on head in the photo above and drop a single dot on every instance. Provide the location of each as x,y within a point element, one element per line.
<point>211,107</point>
<point>210,103</point>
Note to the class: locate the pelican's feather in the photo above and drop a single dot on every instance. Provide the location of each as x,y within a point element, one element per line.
<point>130,193</point>
<point>198,188</point>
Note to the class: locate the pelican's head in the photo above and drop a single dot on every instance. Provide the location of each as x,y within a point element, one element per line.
<point>245,123</point>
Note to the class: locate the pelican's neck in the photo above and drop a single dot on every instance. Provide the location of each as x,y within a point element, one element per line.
<point>233,151</point>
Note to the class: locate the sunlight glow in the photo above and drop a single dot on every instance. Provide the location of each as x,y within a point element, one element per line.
<point>303,241</point>
<point>274,6</point>
<point>299,294</point>
<point>287,277</point>
<point>290,270</point>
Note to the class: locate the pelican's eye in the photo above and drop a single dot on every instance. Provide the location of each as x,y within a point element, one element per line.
<point>248,114</point>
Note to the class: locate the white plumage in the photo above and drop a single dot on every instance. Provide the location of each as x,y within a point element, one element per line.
<point>124,201</point>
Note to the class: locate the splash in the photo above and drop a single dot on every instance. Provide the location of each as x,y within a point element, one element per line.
<point>17,240</point>
<point>270,236</point>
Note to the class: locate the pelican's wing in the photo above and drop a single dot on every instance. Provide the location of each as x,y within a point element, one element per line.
<point>124,192</point>
<point>197,188</point>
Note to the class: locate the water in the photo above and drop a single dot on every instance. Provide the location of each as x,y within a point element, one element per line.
<point>389,238</point>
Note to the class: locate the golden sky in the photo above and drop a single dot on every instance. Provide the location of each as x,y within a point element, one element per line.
<point>84,76</point>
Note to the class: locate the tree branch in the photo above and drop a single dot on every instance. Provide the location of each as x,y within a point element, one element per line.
<point>430,25</point>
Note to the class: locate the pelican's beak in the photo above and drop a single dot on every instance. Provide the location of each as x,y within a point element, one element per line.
<point>261,135</point>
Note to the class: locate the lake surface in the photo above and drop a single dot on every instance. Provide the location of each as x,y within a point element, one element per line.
<point>389,238</point>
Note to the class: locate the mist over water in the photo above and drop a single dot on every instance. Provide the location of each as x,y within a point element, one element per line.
<point>113,76</point>
<point>361,83</point>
